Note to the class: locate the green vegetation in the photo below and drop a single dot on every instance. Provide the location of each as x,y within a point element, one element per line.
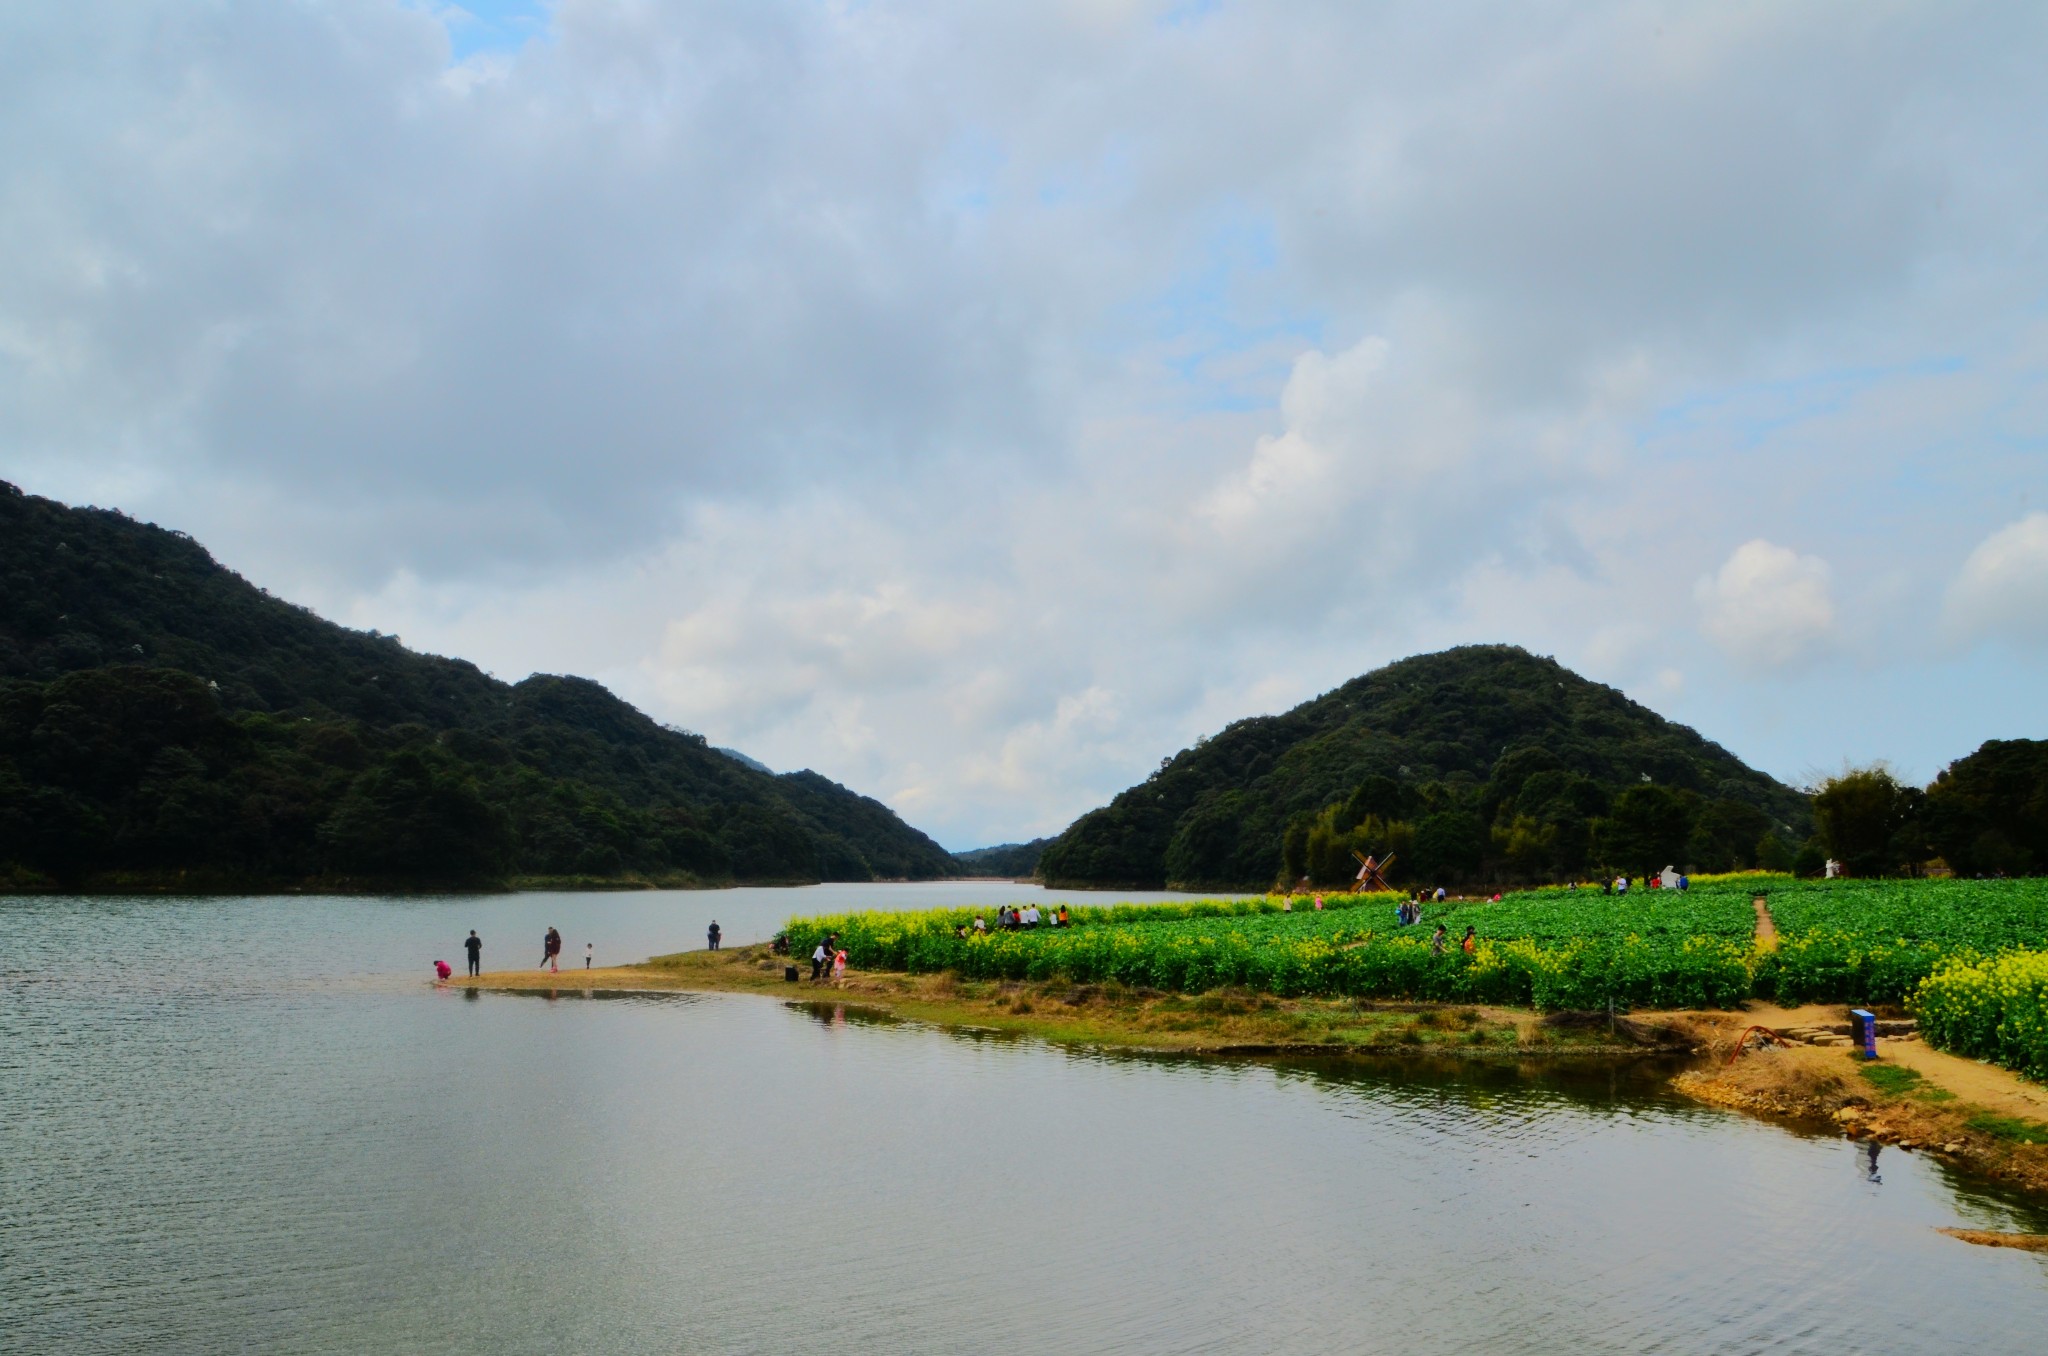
<point>162,719</point>
<point>1895,1080</point>
<point>1850,941</point>
<point>1992,1008</point>
<point>1015,860</point>
<point>2012,1129</point>
<point>1479,763</point>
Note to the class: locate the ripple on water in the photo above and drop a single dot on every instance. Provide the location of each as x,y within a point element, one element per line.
<point>220,1136</point>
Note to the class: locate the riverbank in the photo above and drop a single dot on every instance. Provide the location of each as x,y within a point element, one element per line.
<point>1220,1022</point>
<point>1976,1116</point>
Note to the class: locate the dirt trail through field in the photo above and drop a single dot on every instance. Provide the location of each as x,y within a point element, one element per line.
<point>1766,926</point>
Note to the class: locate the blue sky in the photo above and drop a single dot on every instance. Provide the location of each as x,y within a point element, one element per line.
<point>979,403</point>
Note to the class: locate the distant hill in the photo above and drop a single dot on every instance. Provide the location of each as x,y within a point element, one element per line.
<point>1015,860</point>
<point>161,718</point>
<point>739,757</point>
<point>1478,763</point>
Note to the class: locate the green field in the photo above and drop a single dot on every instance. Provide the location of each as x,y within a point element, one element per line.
<point>1967,954</point>
<point>1849,941</point>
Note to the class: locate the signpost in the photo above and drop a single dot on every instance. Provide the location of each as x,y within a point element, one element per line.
<point>1866,1030</point>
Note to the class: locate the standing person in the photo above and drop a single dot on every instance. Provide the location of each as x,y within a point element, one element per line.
<point>1471,942</point>
<point>979,926</point>
<point>839,967</point>
<point>551,951</point>
<point>818,963</point>
<point>1436,943</point>
<point>714,934</point>
<point>475,946</point>
<point>589,951</point>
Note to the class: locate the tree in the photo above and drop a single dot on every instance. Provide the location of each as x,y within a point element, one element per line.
<point>1989,812</point>
<point>1647,827</point>
<point>1866,820</point>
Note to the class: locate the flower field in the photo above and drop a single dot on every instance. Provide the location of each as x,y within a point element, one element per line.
<point>1995,1009</point>
<point>1849,941</point>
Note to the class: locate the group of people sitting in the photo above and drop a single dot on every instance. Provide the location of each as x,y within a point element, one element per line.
<point>1016,920</point>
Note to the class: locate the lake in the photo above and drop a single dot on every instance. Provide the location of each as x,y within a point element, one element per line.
<point>250,1124</point>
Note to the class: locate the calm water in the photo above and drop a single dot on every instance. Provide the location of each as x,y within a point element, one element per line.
<point>246,1125</point>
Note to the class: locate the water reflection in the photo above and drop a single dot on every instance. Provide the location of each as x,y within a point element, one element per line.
<point>198,1159</point>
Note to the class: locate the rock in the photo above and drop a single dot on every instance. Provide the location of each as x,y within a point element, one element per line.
<point>1954,1146</point>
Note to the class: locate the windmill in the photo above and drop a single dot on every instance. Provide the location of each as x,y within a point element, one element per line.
<point>1370,873</point>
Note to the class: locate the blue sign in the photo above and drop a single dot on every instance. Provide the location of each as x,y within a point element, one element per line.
<point>1866,1030</point>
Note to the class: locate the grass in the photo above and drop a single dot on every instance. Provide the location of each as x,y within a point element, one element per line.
<point>1894,1079</point>
<point>2011,1129</point>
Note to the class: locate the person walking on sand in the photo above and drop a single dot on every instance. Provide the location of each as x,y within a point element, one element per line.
<point>551,952</point>
<point>474,945</point>
<point>713,933</point>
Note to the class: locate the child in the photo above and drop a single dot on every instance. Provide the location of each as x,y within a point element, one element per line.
<point>442,969</point>
<point>589,950</point>
<point>839,966</point>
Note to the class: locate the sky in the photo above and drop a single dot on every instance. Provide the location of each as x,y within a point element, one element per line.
<point>980,403</point>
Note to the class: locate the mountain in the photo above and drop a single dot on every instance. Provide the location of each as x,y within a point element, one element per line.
<point>1478,763</point>
<point>1014,860</point>
<point>161,718</point>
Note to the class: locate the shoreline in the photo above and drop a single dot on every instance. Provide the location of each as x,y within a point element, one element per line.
<point>1983,1119</point>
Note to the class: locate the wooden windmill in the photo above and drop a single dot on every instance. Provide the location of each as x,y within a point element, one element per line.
<point>1371,873</point>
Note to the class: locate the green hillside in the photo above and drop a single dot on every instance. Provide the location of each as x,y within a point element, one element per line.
<point>1014,860</point>
<point>162,719</point>
<point>1479,763</point>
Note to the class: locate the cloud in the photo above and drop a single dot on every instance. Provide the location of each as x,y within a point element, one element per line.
<point>978,403</point>
<point>1768,607</point>
<point>2002,590</point>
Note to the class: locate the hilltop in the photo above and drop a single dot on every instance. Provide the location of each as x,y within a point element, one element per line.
<point>161,718</point>
<point>1478,763</point>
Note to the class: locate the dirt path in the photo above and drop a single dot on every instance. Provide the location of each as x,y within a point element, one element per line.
<point>1766,926</point>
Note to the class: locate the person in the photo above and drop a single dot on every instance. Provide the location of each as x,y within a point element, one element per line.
<point>839,966</point>
<point>1621,885</point>
<point>1471,942</point>
<point>589,951</point>
<point>1436,943</point>
<point>442,969</point>
<point>1684,882</point>
<point>1439,894</point>
<point>818,963</point>
<point>551,951</point>
<point>1030,915</point>
<point>475,946</point>
<point>1287,902</point>
<point>979,925</point>
<point>1319,903</point>
<point>714,934</point>
<point>1064,921</point>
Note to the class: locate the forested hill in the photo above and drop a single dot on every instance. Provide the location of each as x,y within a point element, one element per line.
<point>1479,763</point>
<point>160,715</point>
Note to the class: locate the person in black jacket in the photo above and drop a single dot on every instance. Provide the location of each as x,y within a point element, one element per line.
<point>475,946</point>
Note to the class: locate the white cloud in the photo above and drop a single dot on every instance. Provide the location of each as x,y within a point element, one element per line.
<point>978,403</point>
<point>1768,607</point>
<point>2002,590</point>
